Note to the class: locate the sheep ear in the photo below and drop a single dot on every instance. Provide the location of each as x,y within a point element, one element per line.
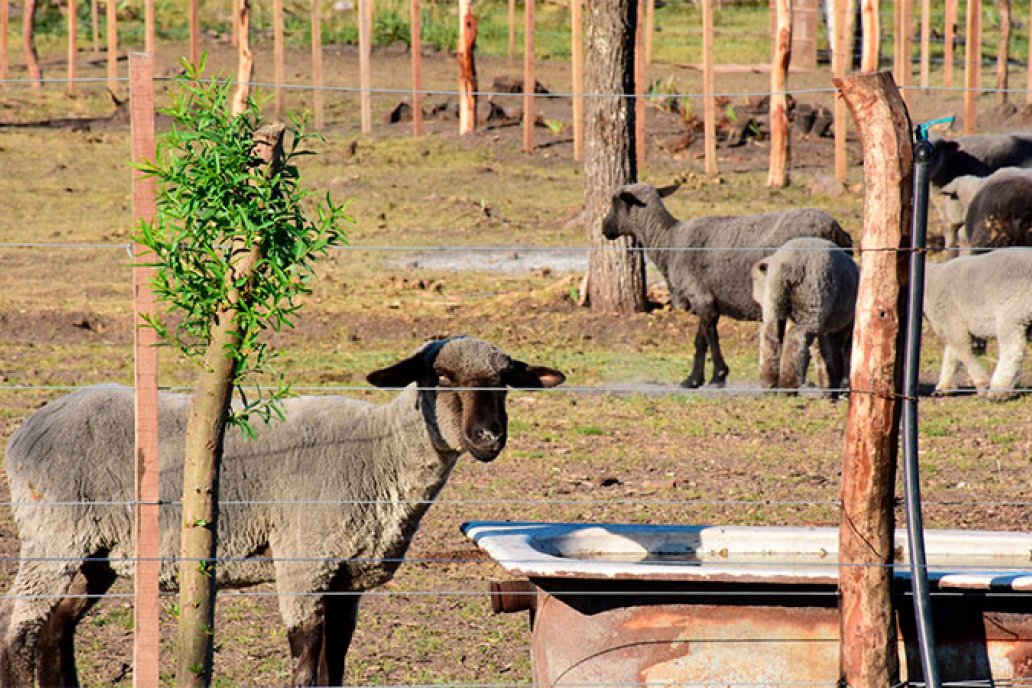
<point>762,266</point>
<point>949,190</point>
<point>631,199</point>
<point>667,190</point>
<point>400,374</point>
<point>533,377</point>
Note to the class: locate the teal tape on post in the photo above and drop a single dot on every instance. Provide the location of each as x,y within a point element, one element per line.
<point>922,129</point>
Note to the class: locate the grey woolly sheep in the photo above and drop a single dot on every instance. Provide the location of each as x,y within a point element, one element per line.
<point>956,198</point>
<point>374,468</point>
<point>813,283</point>
<point>999,215</point>
<point>988,296</point>
<point>708,269</point>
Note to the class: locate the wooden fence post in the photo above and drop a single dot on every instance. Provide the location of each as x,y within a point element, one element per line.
<point>245,58</point>
<point>467,67</point>
<point>317,80</point>
<point>948,42</point>
<point>1003,50</point>
<point>709,101</point>
<point>650,28</point>
<point>926,42</point>
<point>870,22</point>
<point>417,69</point>
<point>149,41</point>
<point>112,45</point>
<point>639,83</point>
<point>277,57</point>
<point>29,44</point>
<point>972,63</point>
<point>840,63</point>
<point>365,48</point>
<point>869,656</point>
<point>777,176</point>
<point>195,32</point>
<point>528,77</point>
<point>147,605</point>
<point>577,63</point>
<point>902,43</point>
<point>73,36</point>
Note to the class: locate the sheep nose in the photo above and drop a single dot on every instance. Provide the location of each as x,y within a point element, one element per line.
<point>486,437</point>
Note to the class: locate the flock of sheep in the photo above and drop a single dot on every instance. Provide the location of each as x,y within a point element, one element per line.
<point>377,468</point>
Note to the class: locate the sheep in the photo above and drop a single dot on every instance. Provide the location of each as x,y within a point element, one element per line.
<point>987,296</point>
<point>707,270</point>
<point>377,466</point>
<point>999,215</point>
<point>956,197</point>
<point>813,283</point>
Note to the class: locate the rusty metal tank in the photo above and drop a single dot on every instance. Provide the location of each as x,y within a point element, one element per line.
<point>623,604</point>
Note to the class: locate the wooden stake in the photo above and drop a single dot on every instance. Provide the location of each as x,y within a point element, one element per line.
<point>650,28</point>
<point>972,63</point>
<point>365,48</point>
<point>149,41</point>
<point>147,604</point>
<point>1003,50</point>
<point>869,657</point>
<point>5,19</point>
<point>317,78</point>
<point>870,21</point>
<point>245,58</point>
<point>195,32</point>
<point>234,33</point>
<point>277,57</point>
<point>949,40</point>
<point>926,41</point>
<point>528,77</point>
<point>94,24</point>
<point>709,101</point>
<point>777,176</point>
<point>417,70</point>
<point>73,35</point>
<point>112,45</point>
<point>467,67</point>
<point>639,84</point>
<point>29,43</point>
<point>577,50</point>
<point>839,67</point>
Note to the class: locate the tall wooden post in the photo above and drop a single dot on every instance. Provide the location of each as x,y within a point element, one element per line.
<point>111,8</point>
<point>870,22</point>
<point>149,40</point>
<point>73,36</point>
<point>650,28</point>
<point>777,176</point>
<point>926,42</point>
<point>277,57</point>
<point>639,84</point>
<point>317,79</point>
<point>195,32</point>
<point>869,656</point>
<point>972,64</point>
<point>840,63</point>
<point>577,62</point>
<point>416,26</point>
<point>245,58</point>
<point>5,19</point>
<point>949,40</point>
<point>29,44</point>
<point>365,47</point>
<point>529,79</point>
<point>467,67</point>
<point>709,101</point>
<point>147,606</point>
<point>1003,50</point>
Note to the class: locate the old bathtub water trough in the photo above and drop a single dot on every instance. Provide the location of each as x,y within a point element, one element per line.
<point>628,605</point>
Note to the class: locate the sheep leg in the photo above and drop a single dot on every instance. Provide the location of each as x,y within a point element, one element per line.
<point>1012,355</point>
<point>306,640</point>
<point>975,370</point>
<point>835,349</point>
<point>948,372</point>
<point>772,333</point>
<point>698,374</point>
<point>720,369</point>
<point>795,358</point>
<point>339,627</point>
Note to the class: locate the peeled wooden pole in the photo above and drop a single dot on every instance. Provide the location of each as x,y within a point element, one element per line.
<point>195,32</point>
<point>926,42</point>
<point>245,58</point>
<point>147,597</point>
<point>972,64</point>
<point>777,176</point>
<point>639,84</point>
<point>577,63</point>
<point>467,67</point>
<point>650,28</point>
<point>365,47</point>
<point>529,80</point>
<point>709,101</point>
<point>840,63</point>
<point>870,22</point>
<point>417,69</point>
<point>869,655</point>
<point>29,43</point>
<point>149,40</point>
<point>1003,50</point>
<point>73,39</point>
<point>112,45</point>
<point>317,78</point>
<point>948,42</point>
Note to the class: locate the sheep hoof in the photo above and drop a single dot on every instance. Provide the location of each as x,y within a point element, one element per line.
<point>1001,395</point>
<point>691,383</point>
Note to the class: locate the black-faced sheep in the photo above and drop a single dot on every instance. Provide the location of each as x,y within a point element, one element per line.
<point>707,260</point>
<point>988,296</point>
<point>373,468</point>
<point>812,283</point>
<point>999,215</point>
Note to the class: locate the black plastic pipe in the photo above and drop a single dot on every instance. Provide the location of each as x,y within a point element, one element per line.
<point>923,151</point>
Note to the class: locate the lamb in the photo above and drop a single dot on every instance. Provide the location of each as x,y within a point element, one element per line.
<point>706,272</point>
<point>956,198</point>
<point>813,283</point>
<point>999,215</point>
<point>988,296</point>
<point>377,466</point>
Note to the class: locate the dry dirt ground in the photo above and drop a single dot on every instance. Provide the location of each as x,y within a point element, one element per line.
<point>639,452</point>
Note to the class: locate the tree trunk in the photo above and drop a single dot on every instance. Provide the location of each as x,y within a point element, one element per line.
<point>778,174</point>
<point>29,43</point>
<point>616,278</point>
<point>245,58</point>
<point>1003,50</point>
<point>467,67</point>
<point>869,655</point>
<point>205,432</point>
